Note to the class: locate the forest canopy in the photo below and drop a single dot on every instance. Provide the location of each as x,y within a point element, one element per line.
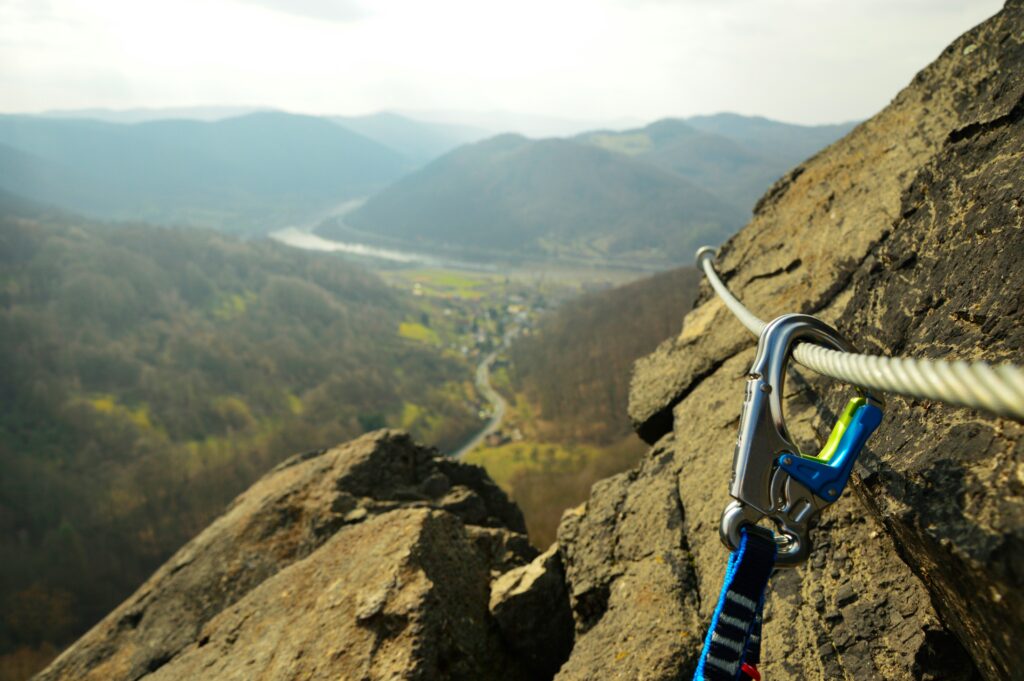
<point>148,375</point>
<point>578,364</point>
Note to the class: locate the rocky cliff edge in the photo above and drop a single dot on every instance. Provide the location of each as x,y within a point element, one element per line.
<point>372,560</point>
<point>908,234</point>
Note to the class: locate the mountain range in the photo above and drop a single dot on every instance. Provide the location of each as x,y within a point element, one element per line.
<point>553,197</point>
<point>646,195</point>
<point>643,196</point>
<point>245,174</point>
<point>735,157</point>
<point>242,174</point>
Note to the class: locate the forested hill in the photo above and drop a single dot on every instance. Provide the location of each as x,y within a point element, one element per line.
<point>244,174</point>
<point>651,195</point>
<point>148,375</point>
<point>789,142</point>
<point>576,368</point>
<point>734,157</point>
<point>560,198</point>
<point>570,379</point>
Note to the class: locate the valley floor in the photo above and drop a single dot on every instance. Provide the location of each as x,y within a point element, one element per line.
<point>483,314</point>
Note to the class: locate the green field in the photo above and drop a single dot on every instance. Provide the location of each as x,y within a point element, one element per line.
<point>440,283</point>
<point>505,462</point>
<point>418,332</point>
<point>546,478</point>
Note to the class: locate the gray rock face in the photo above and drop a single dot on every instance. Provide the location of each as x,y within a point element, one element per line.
<point>909,235</point>
<point>815,227</point>
<point>288,518</point>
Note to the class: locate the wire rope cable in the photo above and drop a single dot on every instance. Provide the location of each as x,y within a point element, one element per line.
<point>979,385</point>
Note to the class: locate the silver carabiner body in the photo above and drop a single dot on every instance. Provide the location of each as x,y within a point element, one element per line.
<point>767,480</point>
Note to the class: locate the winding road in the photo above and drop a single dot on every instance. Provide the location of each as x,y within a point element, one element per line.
<point>483,384</point>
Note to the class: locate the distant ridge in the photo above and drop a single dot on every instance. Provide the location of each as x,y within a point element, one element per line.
<point>145,114</point>
<point>527,124</point>
<point>650,194</point>
<point>552,197</point>
<point>243,174</point>
<point>735,157</point>
<point>418,141</point>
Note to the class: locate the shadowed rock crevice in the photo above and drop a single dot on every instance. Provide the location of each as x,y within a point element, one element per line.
<point>776,272</point>
<point>659,423</point>
<point>531,606</point>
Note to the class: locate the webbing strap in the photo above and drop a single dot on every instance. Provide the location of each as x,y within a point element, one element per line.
<point>734,637</point>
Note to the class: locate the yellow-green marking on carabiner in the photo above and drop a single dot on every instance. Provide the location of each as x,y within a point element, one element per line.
<point>829,450</point>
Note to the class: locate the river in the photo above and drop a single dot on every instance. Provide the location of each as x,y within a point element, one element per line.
<point>305,239</point>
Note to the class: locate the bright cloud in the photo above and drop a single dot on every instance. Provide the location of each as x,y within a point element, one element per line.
<point>797,60</point>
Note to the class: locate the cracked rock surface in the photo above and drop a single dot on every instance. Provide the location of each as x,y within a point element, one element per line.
<point>946,483</point>
<point>908,234</point>
<point>815,227</point>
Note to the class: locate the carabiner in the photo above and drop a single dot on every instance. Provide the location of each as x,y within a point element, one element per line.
<point>771,477</point>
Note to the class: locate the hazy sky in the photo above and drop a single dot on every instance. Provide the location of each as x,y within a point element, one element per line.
<point>809,61</point>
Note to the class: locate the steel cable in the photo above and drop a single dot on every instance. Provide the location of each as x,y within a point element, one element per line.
<point>979,385</point>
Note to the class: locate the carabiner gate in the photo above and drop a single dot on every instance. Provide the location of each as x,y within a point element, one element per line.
<point>771,477</point>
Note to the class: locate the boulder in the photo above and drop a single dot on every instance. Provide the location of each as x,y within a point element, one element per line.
<point>531,607</point>
<point>289,516</point>
<point>401,596</point>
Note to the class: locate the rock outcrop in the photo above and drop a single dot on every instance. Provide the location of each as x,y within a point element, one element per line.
<point>531,608</point>
<point>908,235</point>
<point>372,560</point>
<point>380,560</point>
<point>818,224</point>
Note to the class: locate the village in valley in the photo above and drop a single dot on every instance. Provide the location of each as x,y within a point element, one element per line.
<point>477,316</point>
